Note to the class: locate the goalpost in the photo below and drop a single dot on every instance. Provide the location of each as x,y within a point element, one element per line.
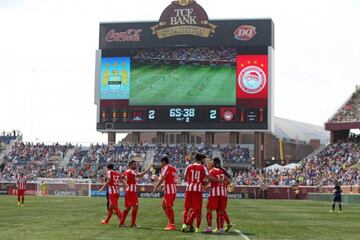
<point>68,187</point>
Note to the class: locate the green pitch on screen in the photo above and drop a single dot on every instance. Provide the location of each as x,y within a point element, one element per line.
<point>182,85</point>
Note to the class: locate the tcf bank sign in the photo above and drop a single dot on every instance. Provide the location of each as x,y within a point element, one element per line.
<point>183,17</point>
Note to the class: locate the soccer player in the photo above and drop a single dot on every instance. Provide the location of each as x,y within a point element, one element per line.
<point>195,175</point>
<point>131,197</point>
<point>43,188</point>
<point>168,176</point>
<point>337,197</point>
<point>21,185</point>
<point>112,184</point>
<point>218,197</point>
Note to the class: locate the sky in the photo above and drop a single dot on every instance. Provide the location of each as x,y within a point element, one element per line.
<point>47,59</point>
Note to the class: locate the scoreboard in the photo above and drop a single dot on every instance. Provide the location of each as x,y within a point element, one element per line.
<point>185,72</point>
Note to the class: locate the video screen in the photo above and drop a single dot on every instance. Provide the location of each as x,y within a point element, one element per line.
<point>178,76</point>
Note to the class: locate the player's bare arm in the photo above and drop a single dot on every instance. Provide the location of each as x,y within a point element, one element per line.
<point>158,184</point>
<point>142,174</point>
<point>106,183</point>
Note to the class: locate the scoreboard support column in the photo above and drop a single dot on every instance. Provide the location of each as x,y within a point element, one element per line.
<point>184,137</point>
<point>259,149</point>
<point>111,137</point>
<point>209,138</point>
<point>234,137</point>
<point>160,137</point>
<point>135,137</point>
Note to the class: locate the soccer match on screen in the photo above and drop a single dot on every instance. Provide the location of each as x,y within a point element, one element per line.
<point>179,119</point>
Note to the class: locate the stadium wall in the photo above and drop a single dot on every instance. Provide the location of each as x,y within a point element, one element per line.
<point>145,191</point>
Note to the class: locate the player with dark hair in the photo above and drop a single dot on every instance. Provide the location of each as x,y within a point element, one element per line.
<point>218,197</point>
<point>112,184</point>
<point>131,197</point>
<point>21,185</point>
<point>337,197</point>
<point>195,176</point>
<point>168,176</point>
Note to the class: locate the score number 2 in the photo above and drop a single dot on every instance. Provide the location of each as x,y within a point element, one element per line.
<point>151,114</point>
<point>213,114</point>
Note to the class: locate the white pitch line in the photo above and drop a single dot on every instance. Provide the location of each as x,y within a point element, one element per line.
<point>241,234</point>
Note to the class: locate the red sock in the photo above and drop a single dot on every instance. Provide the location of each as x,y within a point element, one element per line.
<point>226,218</point>
<point>109,214</point>
<point>218,219</point>
<point>191,218</point>
<point>133,215</point>
<point>198,218</point>
<point>166,212</point>
<point>118,213</point>
<point>185,216</point>
<point>209,218</point>
<point>123,216</point>
<point>221,220</point>
<point>171,213</point>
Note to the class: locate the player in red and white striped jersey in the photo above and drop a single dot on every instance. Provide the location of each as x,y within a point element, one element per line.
<point>195,175</point>
<point>21,185</point>
<point>168,175</point>
<point>112,183</point>
<point>218,193</point>
<point>131,197</point>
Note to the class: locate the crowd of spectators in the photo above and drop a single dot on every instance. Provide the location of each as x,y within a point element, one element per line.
<point>350,111</point>
<point>220,54</point>
<point>338,162</point>
<point>35,160</point>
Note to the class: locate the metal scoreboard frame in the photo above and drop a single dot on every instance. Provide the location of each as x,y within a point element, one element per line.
<point>184,25</point>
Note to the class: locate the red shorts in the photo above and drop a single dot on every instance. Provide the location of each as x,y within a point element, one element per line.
<point>223,203</point>
<point>113,200</point>
<point>21,192</point>
<point>169,200</point>
<point>131,199</point>
<point>193,200</point>
<point>217,203</point>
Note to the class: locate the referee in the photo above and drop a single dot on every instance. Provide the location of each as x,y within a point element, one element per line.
<point>337,197</point>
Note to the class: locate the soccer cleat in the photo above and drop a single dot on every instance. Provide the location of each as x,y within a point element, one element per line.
<point>197,230</point>
<point>191,229</point>
<point>207,230</point>
<point>221,230</point>
<point>121,225</point>
<point>18,203</point>
<point>227,229</point>
<point>170,227</point>
<point>135,226</point>
<point>22,205</point>
<point>331,211</point>
<point>185,228</point>
<point>216,230</point>
<point>104,222</point>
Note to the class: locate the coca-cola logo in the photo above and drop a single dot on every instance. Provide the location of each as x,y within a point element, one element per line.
<point>245,32</point>
<point>130,35</point>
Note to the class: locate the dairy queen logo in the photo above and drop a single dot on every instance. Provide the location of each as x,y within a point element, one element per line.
<point>252,79</point>
<point>245,32</point>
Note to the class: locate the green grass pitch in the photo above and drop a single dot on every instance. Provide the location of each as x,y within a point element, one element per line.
<point>79,218</point>
<point>182,85</point>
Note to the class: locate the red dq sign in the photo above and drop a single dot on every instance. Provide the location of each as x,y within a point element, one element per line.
<point>245,32</point>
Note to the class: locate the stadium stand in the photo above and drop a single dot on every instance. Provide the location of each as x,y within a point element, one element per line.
<point>187,55</point>
<point>350,111</point>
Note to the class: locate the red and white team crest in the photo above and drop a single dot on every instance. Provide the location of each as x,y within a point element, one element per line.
<point>245,32</point>
<point>252,79</point>
<point>228,116</point>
